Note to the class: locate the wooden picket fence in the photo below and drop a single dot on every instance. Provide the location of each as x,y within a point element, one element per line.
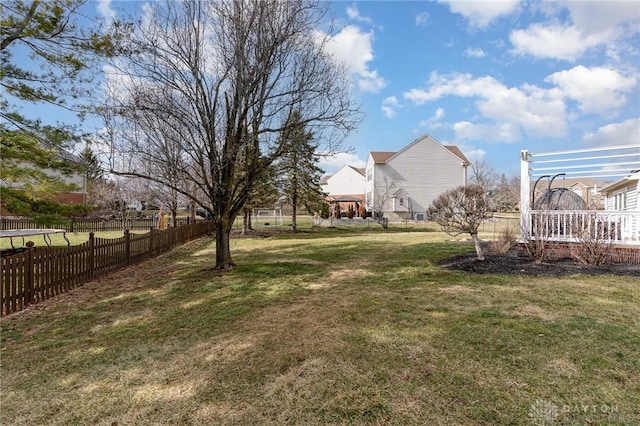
<point>88,225</point>
<point>39,273</point>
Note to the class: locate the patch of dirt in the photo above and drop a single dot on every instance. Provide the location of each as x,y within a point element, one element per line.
<point>510,263</point>
<point>265,233</point>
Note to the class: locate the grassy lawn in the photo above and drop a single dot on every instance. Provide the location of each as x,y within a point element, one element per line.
<point>57,240</point>
<point>333,327</point>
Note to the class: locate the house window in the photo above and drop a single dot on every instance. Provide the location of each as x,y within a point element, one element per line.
<point>368,200</point>
<point>369,174</point>
<point>620,201</point>
<point>401,201</point>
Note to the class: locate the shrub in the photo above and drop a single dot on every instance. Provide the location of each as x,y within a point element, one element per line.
<point>506,239</point>
<point>594,242</point>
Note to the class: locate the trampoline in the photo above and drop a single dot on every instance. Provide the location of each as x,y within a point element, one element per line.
<point>22,233</point>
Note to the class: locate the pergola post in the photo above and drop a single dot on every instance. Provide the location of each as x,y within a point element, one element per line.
<point>525,193</point>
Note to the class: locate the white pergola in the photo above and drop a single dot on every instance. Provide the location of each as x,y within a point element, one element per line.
<point>621,227</point>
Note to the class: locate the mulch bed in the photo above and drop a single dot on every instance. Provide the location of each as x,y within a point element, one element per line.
<point>510,263</point>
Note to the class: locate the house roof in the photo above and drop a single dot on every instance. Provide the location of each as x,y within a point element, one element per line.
<point>456,151</point>
<point>381,157</point>
<point>325,179</point>
<point>361,171</point>
<point>625,181</point>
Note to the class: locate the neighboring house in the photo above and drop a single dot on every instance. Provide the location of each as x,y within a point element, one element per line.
<point>75,180</point>
<point>622,195</point>
<point>346,186</point>
<point>623,203</point>
<point>402,185</point>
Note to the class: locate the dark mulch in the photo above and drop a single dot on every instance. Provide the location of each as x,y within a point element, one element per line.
<point>511,264</point>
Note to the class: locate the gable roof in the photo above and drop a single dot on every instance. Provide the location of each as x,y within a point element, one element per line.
<point>361,171</point>
<point>325,179</point>
<point>621,183</point>
<point>456,151</point>
<point>381,157</point>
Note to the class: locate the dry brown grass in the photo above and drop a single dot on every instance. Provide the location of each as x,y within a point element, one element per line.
<point>361,329</point>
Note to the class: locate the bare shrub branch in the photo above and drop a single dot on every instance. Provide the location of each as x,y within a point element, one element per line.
<point>461,210</point>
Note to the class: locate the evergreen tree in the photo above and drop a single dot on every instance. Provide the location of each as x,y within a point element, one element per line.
<point>93,169</point>
<point>61,46</point>
<point>264,194</point>
<point>300,174</point>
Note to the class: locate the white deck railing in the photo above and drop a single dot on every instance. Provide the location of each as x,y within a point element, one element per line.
<point>578,225</point>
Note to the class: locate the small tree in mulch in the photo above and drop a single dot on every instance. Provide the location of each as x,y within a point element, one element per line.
<point>461,210</point>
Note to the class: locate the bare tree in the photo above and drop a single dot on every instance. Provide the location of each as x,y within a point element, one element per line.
<point>506,195</point>
<point>461,210</point>
<point>224,77</point>
<point>383,192</point>
<point>484,175</point>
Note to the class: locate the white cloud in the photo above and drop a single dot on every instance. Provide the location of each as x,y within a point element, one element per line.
<point>475,53</point>
<point>433,122</point>
<point>473,154</point>
<point>595,89</point>
<point>422,19</point>
<point>333,163</point>
<point>553,41</point>
<point>389,106</point>
<point>590,24</point>
<point>355,49</point>
<point>505,132</point>
<point>615,134</point>
<point>536,111</point>
<point>481,13</point>
<point>354,14</point>
<point>458,84</point>
<point>597,16</point>
<point>104,8</point>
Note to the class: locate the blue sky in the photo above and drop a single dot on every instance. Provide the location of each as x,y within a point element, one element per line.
<point>492,77</point>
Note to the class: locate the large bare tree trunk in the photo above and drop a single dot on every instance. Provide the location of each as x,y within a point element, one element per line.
<point>223,248</point>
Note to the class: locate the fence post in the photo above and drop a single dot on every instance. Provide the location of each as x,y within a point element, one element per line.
<point>127,247</point>
<point>92,255</point>
<point>29,296</point>
<point>151,241</point>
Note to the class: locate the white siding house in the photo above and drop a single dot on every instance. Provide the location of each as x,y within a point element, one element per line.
<point>623,201</point>
<point>402,185</point>
<point>622,195</point>
<point>347,180</point>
